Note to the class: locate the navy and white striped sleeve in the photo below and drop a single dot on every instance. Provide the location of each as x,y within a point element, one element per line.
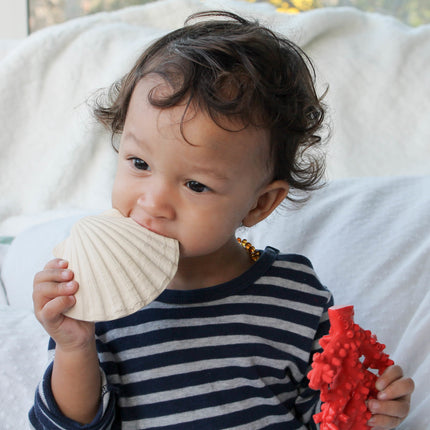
<point>45,413</point>
<point>308,400</point>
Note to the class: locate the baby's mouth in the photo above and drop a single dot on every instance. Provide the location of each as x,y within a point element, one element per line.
<point>151,229</point>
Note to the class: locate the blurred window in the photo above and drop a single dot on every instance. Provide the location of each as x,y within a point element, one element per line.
<point>43,13</point>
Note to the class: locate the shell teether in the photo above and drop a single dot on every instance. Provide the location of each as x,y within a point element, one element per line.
<point>120,266</point>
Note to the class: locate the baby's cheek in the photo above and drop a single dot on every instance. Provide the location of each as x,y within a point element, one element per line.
<point>120,196</point>
<point>203,239</point>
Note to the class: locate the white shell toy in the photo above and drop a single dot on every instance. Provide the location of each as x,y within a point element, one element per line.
<point>120,265</point>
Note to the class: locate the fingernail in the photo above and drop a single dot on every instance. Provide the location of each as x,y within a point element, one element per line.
<point>62,263</point>
<point>69,286</point>
<point>382,395</point>
<point>371,422</point>
<point>71,300</point>
<point>379,385</point>
<point>372,406</point>
<point>65,274</point>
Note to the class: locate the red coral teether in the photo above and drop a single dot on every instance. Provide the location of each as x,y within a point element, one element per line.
<point>341,372</point>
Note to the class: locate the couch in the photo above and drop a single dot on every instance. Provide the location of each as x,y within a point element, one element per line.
<point>367,231</point>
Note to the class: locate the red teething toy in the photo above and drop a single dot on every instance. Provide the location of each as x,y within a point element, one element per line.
<point>342,375</point>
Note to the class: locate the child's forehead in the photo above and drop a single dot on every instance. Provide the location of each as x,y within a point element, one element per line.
<point>190,116</point>
<point>192,126</point>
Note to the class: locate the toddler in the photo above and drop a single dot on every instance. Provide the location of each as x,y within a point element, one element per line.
<point>218,121</point>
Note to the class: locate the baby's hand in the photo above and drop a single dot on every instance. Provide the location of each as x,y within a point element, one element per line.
<point>53,294</point>
<point>393,402</point>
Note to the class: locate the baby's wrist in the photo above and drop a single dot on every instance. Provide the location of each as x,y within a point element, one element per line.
<point>82,348</point>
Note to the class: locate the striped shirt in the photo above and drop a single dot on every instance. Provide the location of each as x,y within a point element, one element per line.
<point>232,356</point>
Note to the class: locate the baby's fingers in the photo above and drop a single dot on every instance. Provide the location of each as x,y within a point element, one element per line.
<point>53,291</point>
<point>51,283</point>
<point>49,312</point>
<point>388,414</point>
<point>45,291</point>
<point>390,375</point>
<point>52,312</point>
<point>384,422</point>
<point>398,390</point>
<point>392,385</point>
<point>393,401</point>
<point>56,263</point>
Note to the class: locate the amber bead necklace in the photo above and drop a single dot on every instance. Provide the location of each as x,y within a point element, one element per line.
<point>253,253</point>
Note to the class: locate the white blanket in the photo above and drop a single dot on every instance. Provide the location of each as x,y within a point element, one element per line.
<point>53,155</point>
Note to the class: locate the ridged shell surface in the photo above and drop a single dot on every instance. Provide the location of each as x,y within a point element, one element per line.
<point>120,266</point>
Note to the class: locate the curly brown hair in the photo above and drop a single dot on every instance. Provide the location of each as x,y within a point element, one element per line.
<point>230,67</point>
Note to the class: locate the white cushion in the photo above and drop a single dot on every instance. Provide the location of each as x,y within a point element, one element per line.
<point>28,254</point>
<point>369,241</point>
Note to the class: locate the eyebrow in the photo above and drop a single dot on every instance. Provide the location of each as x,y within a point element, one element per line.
<point>217,174</point>
<point>196,169</point>
<point>130,135</point>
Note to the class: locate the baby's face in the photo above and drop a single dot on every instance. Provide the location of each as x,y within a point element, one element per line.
<point>197,192</point>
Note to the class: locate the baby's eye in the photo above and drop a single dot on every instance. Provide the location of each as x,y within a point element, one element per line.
<point>197,187</point>
<point>139,164</point>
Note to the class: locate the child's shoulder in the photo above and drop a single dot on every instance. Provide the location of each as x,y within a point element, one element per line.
<point>296,260</point>
<point>295,272</point>
<point>289,261</point>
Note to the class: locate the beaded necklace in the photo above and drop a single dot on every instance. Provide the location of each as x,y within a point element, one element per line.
<point>253,253</point>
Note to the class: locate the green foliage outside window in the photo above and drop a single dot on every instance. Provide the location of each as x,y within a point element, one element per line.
<point>48,12</point>
<point>412,12</point>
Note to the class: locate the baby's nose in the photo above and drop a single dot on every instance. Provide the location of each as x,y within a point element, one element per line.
<point>157,202</point>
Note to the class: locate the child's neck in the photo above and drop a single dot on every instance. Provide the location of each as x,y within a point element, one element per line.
<point>221,266</point>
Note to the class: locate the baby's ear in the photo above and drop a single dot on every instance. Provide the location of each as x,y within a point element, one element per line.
<point>268,200</point>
